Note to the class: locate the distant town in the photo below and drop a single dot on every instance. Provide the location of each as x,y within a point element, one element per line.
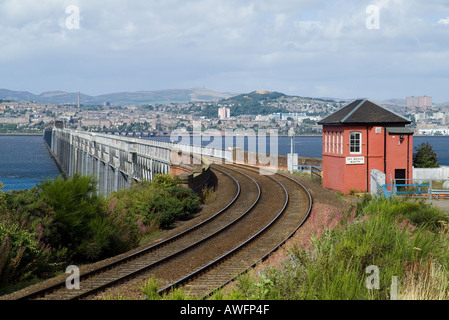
<point>256,110</point>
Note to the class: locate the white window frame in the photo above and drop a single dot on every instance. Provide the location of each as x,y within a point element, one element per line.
<point>341,143</point>
<point>338,143</point>
<point>350,142</point>
<point>325,141</point>
<point>332,148</point>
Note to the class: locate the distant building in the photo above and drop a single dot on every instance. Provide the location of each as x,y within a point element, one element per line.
<point>419,102</point>
<point>16,120</point>
<point>294,116</point>
<point>224,113</point>
<point>363,136</point>
<point>96,123</point>
<point>276,116</point>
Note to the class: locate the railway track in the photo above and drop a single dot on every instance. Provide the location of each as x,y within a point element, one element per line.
<point>246,196</point>
<point>203,258</point>
<point>220,272</point>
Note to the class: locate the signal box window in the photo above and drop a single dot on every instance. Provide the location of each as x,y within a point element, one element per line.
<point>355,142</point>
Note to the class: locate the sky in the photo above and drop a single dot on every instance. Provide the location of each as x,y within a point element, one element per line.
<point>376,49</point>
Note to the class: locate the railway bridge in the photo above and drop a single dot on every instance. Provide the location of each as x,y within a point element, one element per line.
<point>117,161</point>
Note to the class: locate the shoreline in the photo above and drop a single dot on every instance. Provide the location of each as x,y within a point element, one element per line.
<point>20,134</point>
<point>195,135</point>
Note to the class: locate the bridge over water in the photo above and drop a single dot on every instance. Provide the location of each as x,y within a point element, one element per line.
<point>117,161</point>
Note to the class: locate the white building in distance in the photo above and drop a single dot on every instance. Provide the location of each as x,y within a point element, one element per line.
<point>224,113</point>
<point>419,101</point>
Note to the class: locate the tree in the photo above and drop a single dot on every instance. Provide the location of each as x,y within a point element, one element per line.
<point>425,156</point>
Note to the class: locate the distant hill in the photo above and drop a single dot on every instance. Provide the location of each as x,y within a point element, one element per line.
<point>253,103</point>
<point>16,95</point>
<point>120,98</point>
<point>397,101</point>
<point>243,103</point>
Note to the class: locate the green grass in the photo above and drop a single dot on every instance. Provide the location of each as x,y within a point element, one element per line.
<point>403,238</point>
<point>151,287</point>
<point>390,234</point>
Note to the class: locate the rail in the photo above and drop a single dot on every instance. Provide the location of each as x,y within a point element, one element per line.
<point>232,252</point>
<point>208,266</point>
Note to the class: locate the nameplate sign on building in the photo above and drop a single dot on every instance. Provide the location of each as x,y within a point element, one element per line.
<point>355,160</point>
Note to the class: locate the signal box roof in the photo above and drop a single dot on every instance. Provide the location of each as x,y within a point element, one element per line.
<point>363,112</point>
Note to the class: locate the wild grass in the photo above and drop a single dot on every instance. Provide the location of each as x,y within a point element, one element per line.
<point>403,238</point>
<point>151,291</point>
<point>427,281</point>
<point>208,195</point>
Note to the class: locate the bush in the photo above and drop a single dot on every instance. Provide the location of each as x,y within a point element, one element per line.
<point>62,222</point>
<point>22,254</point>
<point>80,223</point>
<point>28,209</point>
<point>156,204</point>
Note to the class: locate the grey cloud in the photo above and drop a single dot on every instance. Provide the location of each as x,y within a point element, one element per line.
<point>313,46</point>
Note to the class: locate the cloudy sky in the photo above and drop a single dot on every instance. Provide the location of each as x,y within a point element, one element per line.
<point>318,48</point>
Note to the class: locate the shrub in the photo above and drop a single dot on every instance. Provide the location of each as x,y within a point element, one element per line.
<point>22,254</point>
<point>80,226</point>
<point>155,204</point>
<point>78,216</point>
<point>28,209</point>
<point>2,198</point>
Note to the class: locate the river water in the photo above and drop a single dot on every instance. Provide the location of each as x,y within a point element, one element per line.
<point>25,160</point>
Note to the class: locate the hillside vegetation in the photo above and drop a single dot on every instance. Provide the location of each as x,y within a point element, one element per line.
<point>254,103</point>
<point>399,238</point>
<point>63,222</point>
<point>402,238</point>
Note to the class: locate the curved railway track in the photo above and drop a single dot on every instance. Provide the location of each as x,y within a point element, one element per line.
<point>212,253</point>
<point>220,272</point>
<point>246,196</point>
